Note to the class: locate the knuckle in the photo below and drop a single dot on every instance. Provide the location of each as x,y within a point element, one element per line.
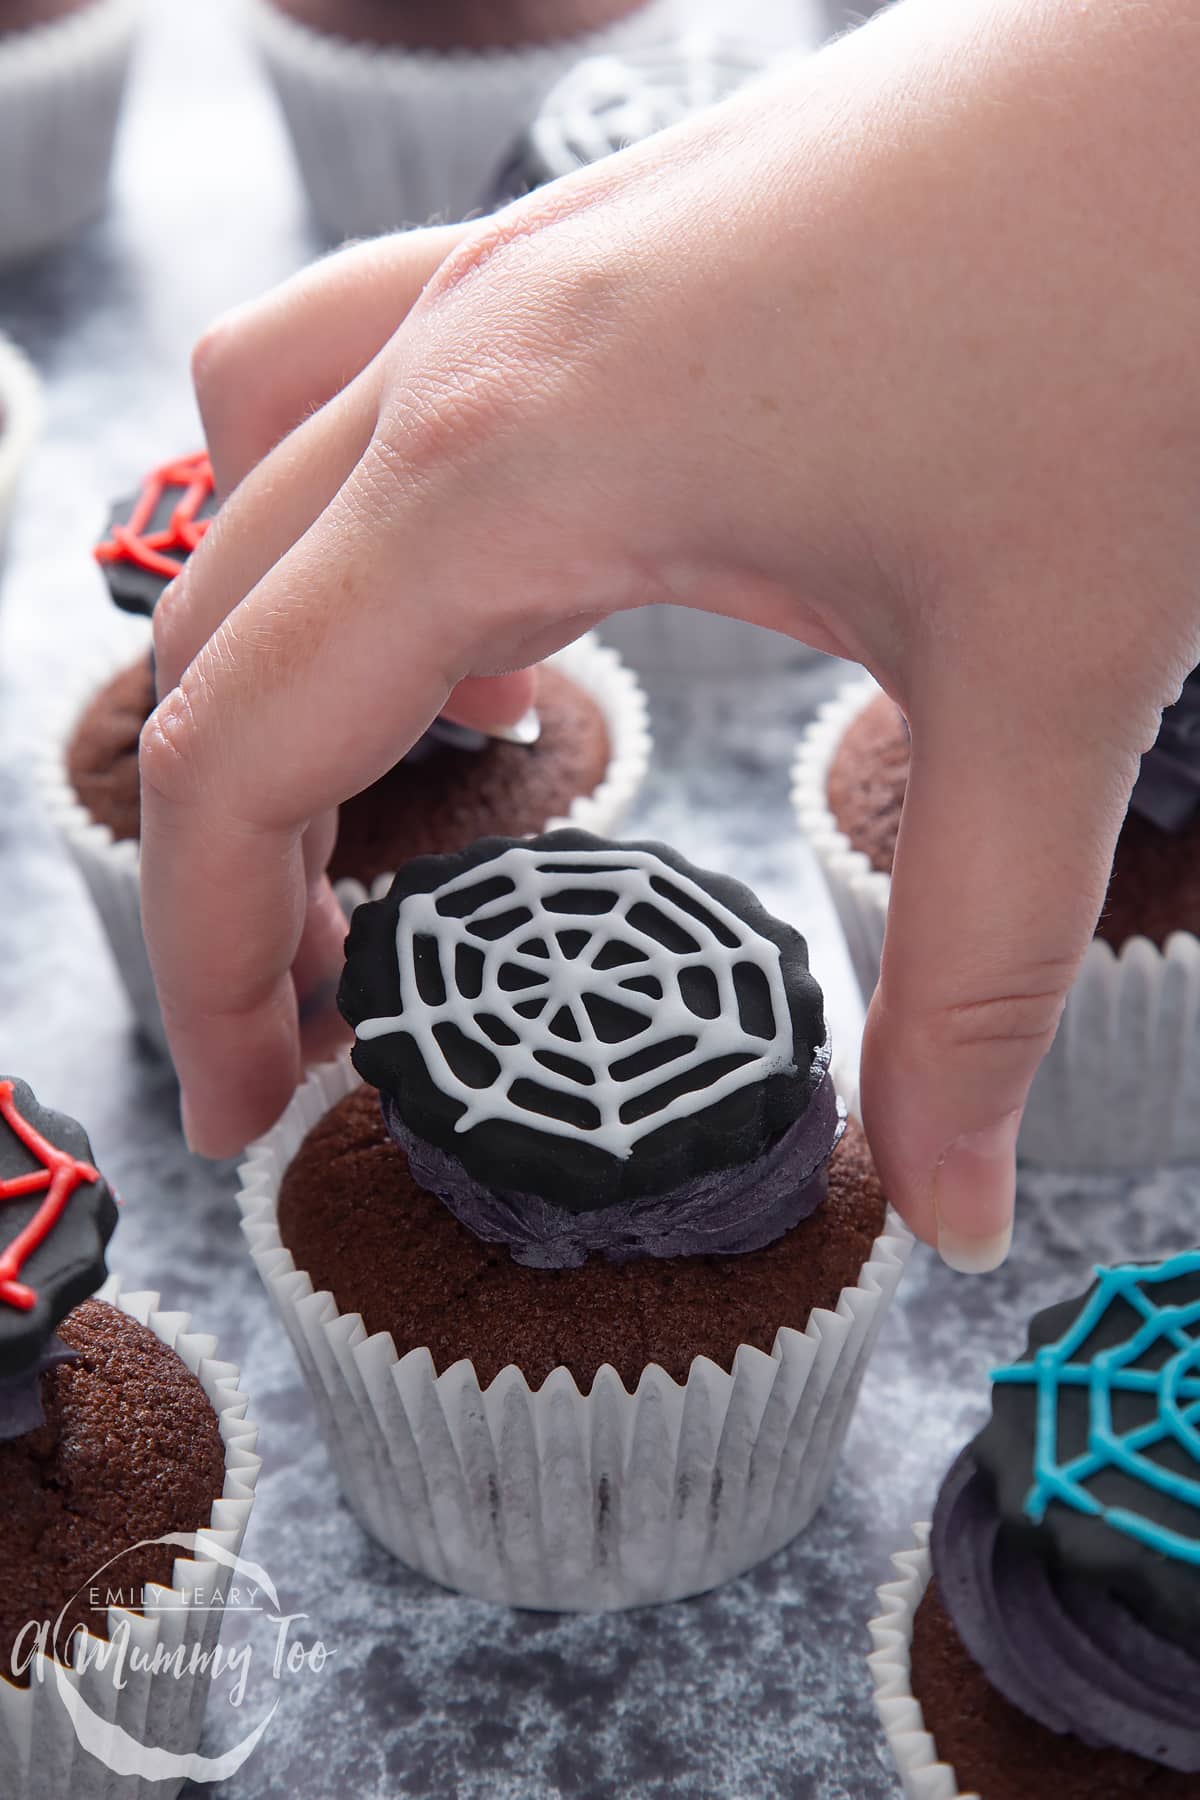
<point>212,356</point>
<point>1020,1017</point>
<point>482,247</point>
<point>169,751</point>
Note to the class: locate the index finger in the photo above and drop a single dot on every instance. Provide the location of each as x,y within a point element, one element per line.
<point>303,695</point>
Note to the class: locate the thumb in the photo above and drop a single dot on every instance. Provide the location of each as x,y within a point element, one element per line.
<point>1003,858</point>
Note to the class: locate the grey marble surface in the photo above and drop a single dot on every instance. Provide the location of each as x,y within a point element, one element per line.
<point>757,1691</point>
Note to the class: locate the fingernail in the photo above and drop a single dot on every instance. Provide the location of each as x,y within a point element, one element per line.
<point>973,1190</point>
<point>527,729</point>
<point>186,1122</point>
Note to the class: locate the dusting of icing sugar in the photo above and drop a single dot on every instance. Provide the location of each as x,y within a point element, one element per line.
<point>596,995</point>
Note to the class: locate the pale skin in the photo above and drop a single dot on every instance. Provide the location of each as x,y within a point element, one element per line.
<point>899,355</point>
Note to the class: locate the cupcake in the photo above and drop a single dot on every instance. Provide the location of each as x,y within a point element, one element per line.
<point>62,73</point>
<point>402,113</point>
<point>20,416</point>
<point>1120,1087</point>
<point>584,1279</point>
<point>580,756</point>
<point>1044,1638</point>
<point>118,1431</point>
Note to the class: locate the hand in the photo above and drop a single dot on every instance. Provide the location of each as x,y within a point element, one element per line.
<point>896,354</point>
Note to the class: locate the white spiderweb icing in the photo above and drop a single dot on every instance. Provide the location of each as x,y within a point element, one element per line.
<point>515,975</point>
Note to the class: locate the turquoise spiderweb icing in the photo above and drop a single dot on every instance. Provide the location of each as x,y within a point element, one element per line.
<point>1175,1385</point>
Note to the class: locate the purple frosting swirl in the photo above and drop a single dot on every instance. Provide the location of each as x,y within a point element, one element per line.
<point>726,1213</point>
<point>21,1408</point>
<point>1167,791</point>
<point>1067,1653</point>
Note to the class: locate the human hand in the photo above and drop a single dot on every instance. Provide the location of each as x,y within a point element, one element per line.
<point>896,354</point>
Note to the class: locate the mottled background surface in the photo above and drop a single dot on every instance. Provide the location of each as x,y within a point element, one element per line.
<point>760,1690</point>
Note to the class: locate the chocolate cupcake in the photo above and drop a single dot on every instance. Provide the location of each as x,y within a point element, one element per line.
<point>1046,1638</point>
<point>63,65</point>
<point>580,757</point>
<point>598,1220</point>
<point>120,1442</point>
<point>402,111</point>
<point>1120,1087</point>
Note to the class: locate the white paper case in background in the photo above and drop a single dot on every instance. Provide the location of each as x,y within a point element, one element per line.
<point>923,1777</point>
<point>553,1499</point>
<point>20,418</point>
<point>60,93</point>
<point>40,1752</point>
<point>859,892</point>
<point>389,137</point>
<point>1120,1086</point>
<point>109,866</point>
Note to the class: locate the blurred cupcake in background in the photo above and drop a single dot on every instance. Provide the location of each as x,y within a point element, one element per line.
<point>1044,1635</point>
<point>403,111</point>
<point>1120,1087</point>
<point>579,756</point>
<point>126,1461</point>
<point>20,417</point>
<point>584,1283</point>
<point>63,65</point>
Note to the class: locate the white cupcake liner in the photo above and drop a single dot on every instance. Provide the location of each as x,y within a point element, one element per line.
<point>554,1499</point>
<point>110,866</point>
<point>616,690</point>
<point>1120,1086</point>
<point>390,137</point>
<point>20,418</point>
<point>60,93</point>
<point>42,1757</point>
<point>923,1777</point>
<point>858,891</point>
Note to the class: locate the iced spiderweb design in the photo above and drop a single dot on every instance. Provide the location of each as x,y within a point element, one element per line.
<point>608,102</point>
<point>591,994</point>
<point>1159,1361</point>
<point>58,1177</point>
<point>152,550</point>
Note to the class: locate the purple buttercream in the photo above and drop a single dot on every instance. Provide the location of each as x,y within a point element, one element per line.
<point>1069,1655</point>
<point>726,1213</point>
<point>1167,791</point>
<point>21,1396</point>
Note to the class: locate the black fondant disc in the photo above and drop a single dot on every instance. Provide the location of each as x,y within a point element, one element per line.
<point>1163,1590</point>
<point>70,1264</point>
<point>134,588</point>
<point>570,989</point>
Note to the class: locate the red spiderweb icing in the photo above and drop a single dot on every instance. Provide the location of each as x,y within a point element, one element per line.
<point>151,550</point>
<point>58,1178</point>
